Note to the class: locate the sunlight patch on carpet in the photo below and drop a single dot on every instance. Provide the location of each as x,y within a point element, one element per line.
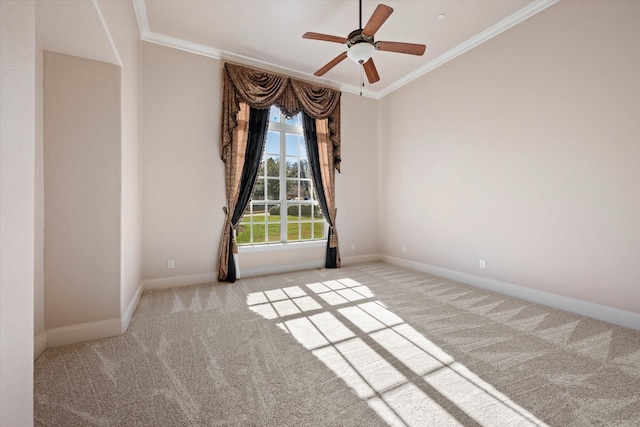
<point>367,345</point>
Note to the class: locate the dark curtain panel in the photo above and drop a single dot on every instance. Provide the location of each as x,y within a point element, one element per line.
<point>258,121</point>
<point>311,141</point>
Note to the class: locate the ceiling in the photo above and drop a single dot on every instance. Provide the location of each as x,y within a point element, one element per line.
<point>268,33</point>
<point>74,28</point>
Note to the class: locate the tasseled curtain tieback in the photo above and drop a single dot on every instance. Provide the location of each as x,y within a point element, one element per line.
<point>333,239</point>
<point>234,245</point>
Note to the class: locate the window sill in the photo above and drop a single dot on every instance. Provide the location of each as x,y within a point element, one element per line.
<point>282,246</point>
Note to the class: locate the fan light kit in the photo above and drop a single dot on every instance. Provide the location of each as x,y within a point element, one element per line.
<point>361,45</point>
<point>361,52</point>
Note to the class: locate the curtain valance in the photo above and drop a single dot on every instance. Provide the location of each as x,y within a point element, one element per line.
<point>261,89</point>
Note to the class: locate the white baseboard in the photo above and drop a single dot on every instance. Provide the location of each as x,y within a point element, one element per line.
<point>86,331</point>
<point>131,308</point>
<point>39,344</point>
<point>196,279</point>
<point>83,332</point>
<point>114,327</point>
<point>613,315</point>
<point>359,259</point>
<point>175,281</point>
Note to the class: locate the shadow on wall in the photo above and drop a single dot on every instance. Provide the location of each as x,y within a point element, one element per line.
<point>404,377</point>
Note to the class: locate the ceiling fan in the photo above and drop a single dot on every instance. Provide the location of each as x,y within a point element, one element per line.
<point>361,45</point>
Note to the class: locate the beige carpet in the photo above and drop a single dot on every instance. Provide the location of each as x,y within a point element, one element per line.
<point>365,345</point>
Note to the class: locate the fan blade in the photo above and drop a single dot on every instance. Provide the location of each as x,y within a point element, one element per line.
<point>324,37</point>
<point>410,48</point>
<point>335,61</point>
<point>380,15</point>
<point>370,71</point>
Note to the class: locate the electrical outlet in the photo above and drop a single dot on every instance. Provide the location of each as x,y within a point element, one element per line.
<point>482,264</point>
<point>353,246</point>
<point>404,249</point>
<point>170,263</point>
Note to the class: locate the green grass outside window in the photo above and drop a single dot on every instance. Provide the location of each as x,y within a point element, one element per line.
<point>243,235</point>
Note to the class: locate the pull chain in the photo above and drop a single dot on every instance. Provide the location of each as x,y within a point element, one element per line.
<point>361,79</point>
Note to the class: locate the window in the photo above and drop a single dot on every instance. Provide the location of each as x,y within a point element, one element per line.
<point>283,206</point>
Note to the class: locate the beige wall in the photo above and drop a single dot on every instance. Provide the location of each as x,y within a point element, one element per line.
<point>524,152</point>
<point>123,117</point>
<point>182,172</point>
<point>184,176</point>
<point>82,159</point>
<point>121,21</point>
<point>357,183</point>
<point>39,322</point>
<point>17,194</point>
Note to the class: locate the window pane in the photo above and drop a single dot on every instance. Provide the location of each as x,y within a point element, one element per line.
<point>293,210</point>
<point>292,189</point>
<point>292,144</point>
<point>273,142</point>
<point>243,234</point>
<point>274,212</point>
<point>273,166</point>
<point>305,169</point>
<point>258,190</point>
<point>292,231</point>
<point>274,114</point>
<point>306,210</point>
<point>257,215</point>
<point>274,233</point>
<point>273,189</point>
<point>292,167</point>
<point>305,189</point>
<point>295,120</point>
<point>306,230</point>
<point>258,233</point>
<point>318,230</point>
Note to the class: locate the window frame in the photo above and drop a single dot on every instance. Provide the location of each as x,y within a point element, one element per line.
<point>284,128</point>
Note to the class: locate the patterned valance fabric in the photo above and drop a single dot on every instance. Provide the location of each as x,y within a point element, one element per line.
<point>261,89</point>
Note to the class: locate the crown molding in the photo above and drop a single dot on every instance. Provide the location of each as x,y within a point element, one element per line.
<point>140,10</point>
<point>149,36</point>
<point>105,27</point>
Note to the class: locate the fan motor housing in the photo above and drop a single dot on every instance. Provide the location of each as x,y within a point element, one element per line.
<point>357,36</point>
